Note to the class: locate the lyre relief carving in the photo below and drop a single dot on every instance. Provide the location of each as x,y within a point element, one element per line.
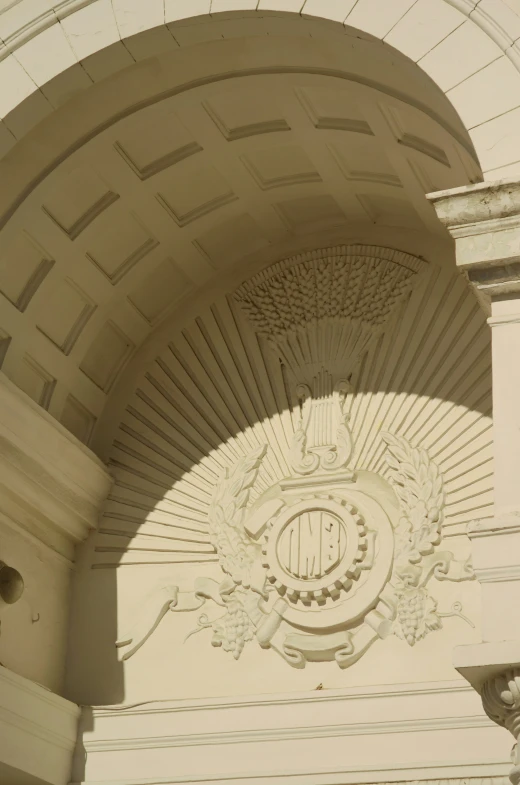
<point>321,563</point>
<point>322,438</point>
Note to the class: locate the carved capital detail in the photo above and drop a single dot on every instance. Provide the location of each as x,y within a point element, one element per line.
<point>501,700</point>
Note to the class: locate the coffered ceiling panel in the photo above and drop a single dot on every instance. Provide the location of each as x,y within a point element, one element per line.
<point>156,206</point>
<point>239,113</point>
<point>164,286</point>
<point>311,213</point>
<point>64,312</point>
<point>117,242</point>
<point>276,167</point>
<point>153,143</point>
<point>34,380</point>
<point>231,240</point>
<point>187,199</point>
<point>106,356</point>
<point>23,268</point>
<point>78,198</point>
<point>333,108</point>
<point>360,160</point>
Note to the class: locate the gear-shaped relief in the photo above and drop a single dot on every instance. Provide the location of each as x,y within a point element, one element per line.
<point>320,565</point>
<point>315,551</point>
<point>317,574</point>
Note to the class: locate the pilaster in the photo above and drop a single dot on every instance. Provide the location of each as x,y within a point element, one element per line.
<point>484,221</point>
<point>51,492</point>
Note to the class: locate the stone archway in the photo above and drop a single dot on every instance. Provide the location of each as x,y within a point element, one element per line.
<point>161,171</point>
<point>284,148</point>
<point>469,48</point>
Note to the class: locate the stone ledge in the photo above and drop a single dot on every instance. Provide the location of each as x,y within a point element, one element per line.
<point>52,487</point>
<point>37,730</point>
<point>326,736</point>
<point>484,221</point>
<point>482,661</point>
<point>469,205</point>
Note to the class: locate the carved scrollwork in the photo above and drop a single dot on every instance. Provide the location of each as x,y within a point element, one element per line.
<point>501,701</point>
<point>318,575</point>
<point>317,565</point>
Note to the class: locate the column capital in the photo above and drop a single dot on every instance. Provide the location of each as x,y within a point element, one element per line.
<point>501,702</point>
<point>501,699</point>
<point>484,221</point>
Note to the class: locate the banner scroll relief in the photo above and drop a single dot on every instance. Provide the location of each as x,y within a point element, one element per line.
<point>328,560</point>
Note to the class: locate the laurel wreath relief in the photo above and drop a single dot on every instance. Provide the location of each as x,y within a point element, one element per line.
<point>419,487</point>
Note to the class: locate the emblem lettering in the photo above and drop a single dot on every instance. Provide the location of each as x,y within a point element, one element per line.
<point>312,544</point>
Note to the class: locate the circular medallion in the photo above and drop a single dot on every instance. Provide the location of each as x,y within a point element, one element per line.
<point>314,549</point>
<point>312,544</point>
<point>328,556</point>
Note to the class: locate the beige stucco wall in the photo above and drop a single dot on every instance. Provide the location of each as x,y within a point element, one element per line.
<point>86,90</point>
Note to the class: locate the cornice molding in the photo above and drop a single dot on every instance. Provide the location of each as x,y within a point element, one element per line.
<point>469,774</point>
<point>327,696</point>
<point>479,208</point>
<point>494,527</point>
<point>330,725</point>
<point>498,574</point>
<point>52,487</point>
<point>39,23</point>
<point>484,221</point>
<point>288,734</point>
<point>38,728</point>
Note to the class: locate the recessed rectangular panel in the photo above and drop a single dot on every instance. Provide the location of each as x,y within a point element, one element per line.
<point>415,130</point>
<point>333,109</point>
<point>77,419</point>
<point>106,356</point>
<point>432,176</point>
<point>362,158</point>
<point>152,143</point>
<point>5,340</point>
<point>34,380</point>
<point>311,213</point>
<point>23,267</point>
<point>387,211</point>
<point>117,243</point>
<point>67,311</point>
<point>240,113</point>
<point>277,167</point>
<point>79,197</point>
<point>159,291</point>
<point>231,240</point>
<point>201,191</point>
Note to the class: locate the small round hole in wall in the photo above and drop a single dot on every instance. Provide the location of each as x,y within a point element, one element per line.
<point>11,585</point>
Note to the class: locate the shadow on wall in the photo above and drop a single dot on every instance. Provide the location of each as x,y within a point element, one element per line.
<point>380,338</point>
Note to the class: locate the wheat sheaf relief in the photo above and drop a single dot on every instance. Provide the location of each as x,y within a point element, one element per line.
<point>325,483</point>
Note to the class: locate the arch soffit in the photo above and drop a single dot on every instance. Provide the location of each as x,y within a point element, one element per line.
<point>468,47</point>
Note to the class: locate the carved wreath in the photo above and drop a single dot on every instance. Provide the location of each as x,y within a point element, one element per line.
<point>409,611</point>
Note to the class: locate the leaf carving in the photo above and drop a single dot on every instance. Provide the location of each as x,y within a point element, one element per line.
<point>236,551</point>
<point>418,484</point>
